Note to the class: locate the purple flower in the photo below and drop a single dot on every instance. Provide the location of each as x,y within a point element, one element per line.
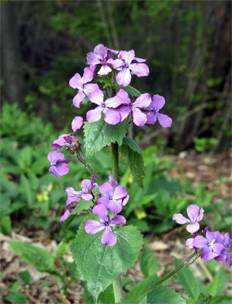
<point>65,215</point>
<point>127,64</point>
<point>210,245</point>
<point>107,107</point>
<point>58,163</point>
<point>64,140</point>
<point>84,87</point>
<point>226,254</point>
<point>105,224</point>
<point>73,196</point>
<point>113,196</point>
<point>100,57</point>
<point>153,114</point>
<point>195,214</point>
<point>137,109</point>
<point>77,123</point>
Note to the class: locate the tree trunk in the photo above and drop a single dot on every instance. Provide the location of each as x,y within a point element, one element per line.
<point>11,68</point>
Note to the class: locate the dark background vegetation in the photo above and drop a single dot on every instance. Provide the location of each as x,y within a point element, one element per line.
<point>187,45</point>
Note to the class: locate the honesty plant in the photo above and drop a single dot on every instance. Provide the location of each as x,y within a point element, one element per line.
<point>105,247</point>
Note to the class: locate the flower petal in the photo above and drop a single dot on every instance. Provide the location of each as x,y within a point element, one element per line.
<point>118,220</point>
<point>65,216</point>
<point>55,156</point>
<point>108,237</point>
<point>111,116</point>
<point>93,227</point>
<point>101,211</point>
<point>93,59</point>
<point>189,243</point>
<point>139,69</point>
<point>77,123</point>
<point>104,70</point>
<point>59,169</point>
<point>76,81</point>
<point>199,242</point>
<point>123,77</point>
<point>158,102</point>
<point>94,115</point>
<point>88,74</point>
<point>94,93</point>
<point>164,120</point>
<point>143,101</point>
<point>194,211</point>
<point>139,118</point>
<point>78,98</point>
<point>127,56</point>
<point>119,192</point>
<point>180,219</point>
<point>191,228</point>
<point>124,112</point>
<point>100,50</point>
<point>151,118</point>
<point>115,206</point>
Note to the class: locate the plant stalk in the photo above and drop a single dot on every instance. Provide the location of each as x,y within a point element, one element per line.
<point>115,155</point>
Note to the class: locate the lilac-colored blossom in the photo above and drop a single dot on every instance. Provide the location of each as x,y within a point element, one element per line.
<point>73,196</point>
<point>226,254</point>
<point>113,196</point>
<point>85,88</point>
<point>127,65</point>
<point>107,107</point>
<point>59,165</point>
<point>100,57</point>
<point>154,115</point>
<point>105,224</point>
<point>195,214</point>
<point>77,123</point>
<point>136,108</point>
<point>210,245</point>
<point>64,140</point>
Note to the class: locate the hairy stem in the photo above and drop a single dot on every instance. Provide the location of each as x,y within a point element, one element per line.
<point>115,155</point>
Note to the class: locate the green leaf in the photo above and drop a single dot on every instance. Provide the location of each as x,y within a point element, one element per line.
<point>5,224</point>
<point>98,135</point>
<point>148,263</point>
<point>40,258</point>
<point>134,159</point>
<point>25,276</point>
<point>164,295</point>
<point>191,285</point>
<point>132,91</point>
<point>219,283</point>
<point>16,298</point>
<point>99,265</point>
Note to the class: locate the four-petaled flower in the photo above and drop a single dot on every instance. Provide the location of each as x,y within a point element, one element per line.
<point>64,140</point>
<point>210,245</point>
<point>106,224</point>
<point>154,115</point>
<point>85,88</point>
<point>195,214</point>
<point>126,65</point>
<point>59,165</point>
<point>107,107</point>
<point>113,196</point>
<point>100,57</point>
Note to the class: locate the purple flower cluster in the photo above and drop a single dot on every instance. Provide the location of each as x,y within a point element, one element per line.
<point>212,244</point>
<point>73,196</point>
<point>115,109</point>
<point>108,203</point>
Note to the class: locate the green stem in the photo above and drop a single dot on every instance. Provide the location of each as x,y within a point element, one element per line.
<point>117,291</point>
<point>115,156</point>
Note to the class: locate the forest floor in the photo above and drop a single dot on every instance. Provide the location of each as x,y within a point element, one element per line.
<point>214,170</point>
